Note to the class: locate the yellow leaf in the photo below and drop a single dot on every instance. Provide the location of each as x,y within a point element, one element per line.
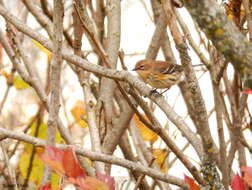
<point>79,114</point>
<point>230,17</point>
<point>37,169</point>
<point>147,134</point>
<point>160,155</point>
<point>19,83</point>
<point>43,49</point>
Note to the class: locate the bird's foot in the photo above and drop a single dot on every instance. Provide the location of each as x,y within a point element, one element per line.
<point>164,91</point>
<point>154,92</point>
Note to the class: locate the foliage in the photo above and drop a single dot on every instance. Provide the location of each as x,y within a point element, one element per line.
<point>65,163</point>
<point>65,67</point>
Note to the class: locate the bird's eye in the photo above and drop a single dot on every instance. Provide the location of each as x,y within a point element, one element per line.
<point>141,67</point>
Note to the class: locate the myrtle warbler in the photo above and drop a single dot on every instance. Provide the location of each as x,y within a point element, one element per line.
<point>159,74</point>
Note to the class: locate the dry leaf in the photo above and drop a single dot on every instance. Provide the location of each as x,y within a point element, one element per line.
<point>79,114</point>
<point>147,134</point>
<point>160,155</point>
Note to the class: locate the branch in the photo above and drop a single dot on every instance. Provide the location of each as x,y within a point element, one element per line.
<point>191,41</point>
<point>114,74</point>
<point>55,69</point>
<point>54,105</point>
<point>108,86</point>
<point>219,120</point>
<point>43,20</point>
<point>88,98</point>
<point>208,167</point>
<point>34,82</point>
<point>163,40</point>
<point>128,153</point>
<point>11,171</point>
<point>157,128</point>
<point>225,36</point>
<point>98,156</point>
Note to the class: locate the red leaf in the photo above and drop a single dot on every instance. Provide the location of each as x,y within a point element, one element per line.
<point>190,182</point>
<point>237,183</point>
<point>110,181</point>
<point>46,187</point>
<point>247,175</point>
<point>53,157</point>
<point>71,164</point>
<point>247,91</point>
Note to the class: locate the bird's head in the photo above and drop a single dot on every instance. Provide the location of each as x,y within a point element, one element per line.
<point>143,68</point>
<point>142,65</point>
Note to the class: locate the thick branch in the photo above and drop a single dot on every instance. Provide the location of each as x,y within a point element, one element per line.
<point>225,36</point>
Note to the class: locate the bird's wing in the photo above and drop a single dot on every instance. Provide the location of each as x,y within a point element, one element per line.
<point>168,68</point>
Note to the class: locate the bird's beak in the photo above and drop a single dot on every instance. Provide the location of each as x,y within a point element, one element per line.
<point>134,69</point>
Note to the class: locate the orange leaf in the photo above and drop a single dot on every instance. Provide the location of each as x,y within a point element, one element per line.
<point>92,183</point>
<point>147,134</point>
<point>40,150</point>
<point>237,183</point>
<point>8,77</point>
<point>71,164</point>
<point>247,175</point>
<point>191,183</point>
<point>53,157</point>
<point>79,114</point>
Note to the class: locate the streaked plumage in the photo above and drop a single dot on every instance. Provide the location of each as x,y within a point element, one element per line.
<point>159,74</point>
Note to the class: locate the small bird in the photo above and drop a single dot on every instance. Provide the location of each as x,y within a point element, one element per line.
<point>159,74</point>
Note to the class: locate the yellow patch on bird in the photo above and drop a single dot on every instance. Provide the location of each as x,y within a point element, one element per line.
<point>219,31</point>
<point>161,76</point>
<point>210,150</point>
<point>246,70</point>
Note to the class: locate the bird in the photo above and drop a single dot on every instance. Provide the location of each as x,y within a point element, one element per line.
<point>159,74</point>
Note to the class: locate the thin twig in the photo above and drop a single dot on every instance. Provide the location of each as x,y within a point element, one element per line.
<point>142,176</point>
<point>11,172</point>
<point>6,93</point>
